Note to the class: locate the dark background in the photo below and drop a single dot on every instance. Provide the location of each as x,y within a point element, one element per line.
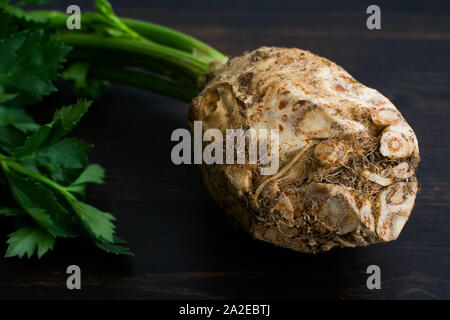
<point>184,247</point>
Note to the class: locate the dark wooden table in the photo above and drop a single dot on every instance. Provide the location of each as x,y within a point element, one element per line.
<point>184,247</point>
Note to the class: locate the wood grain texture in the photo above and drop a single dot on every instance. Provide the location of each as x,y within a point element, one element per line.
<point>184,247</point>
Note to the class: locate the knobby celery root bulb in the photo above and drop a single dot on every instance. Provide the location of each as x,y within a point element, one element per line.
<point>347,156</point>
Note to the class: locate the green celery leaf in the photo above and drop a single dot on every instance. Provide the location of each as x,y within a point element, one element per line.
<point>41,162</point>
<point>62,156</point>
<point>27,239</point>
<point>29,61</point>
<point>5,97</point>
<point>41,205</point>
<point>94,173</point>
<point>26,126</point>
<point>34,142</point>
<point>23,19</point>
<point>17,117</point>
<point>114,247</point>
<point>97,222</point>
<point>11,212</point>
<point>64,120</point>
<point>6,26</point>
<point>79,189</point>
<point>10,139</point>
<point>78,74</point>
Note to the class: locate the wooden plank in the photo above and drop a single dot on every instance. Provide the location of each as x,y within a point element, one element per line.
<point>184,246</point>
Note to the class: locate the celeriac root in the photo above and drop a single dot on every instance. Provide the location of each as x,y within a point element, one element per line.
<point>347,156</point>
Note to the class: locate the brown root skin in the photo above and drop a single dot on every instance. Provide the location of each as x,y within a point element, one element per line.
<point>338,184</point>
